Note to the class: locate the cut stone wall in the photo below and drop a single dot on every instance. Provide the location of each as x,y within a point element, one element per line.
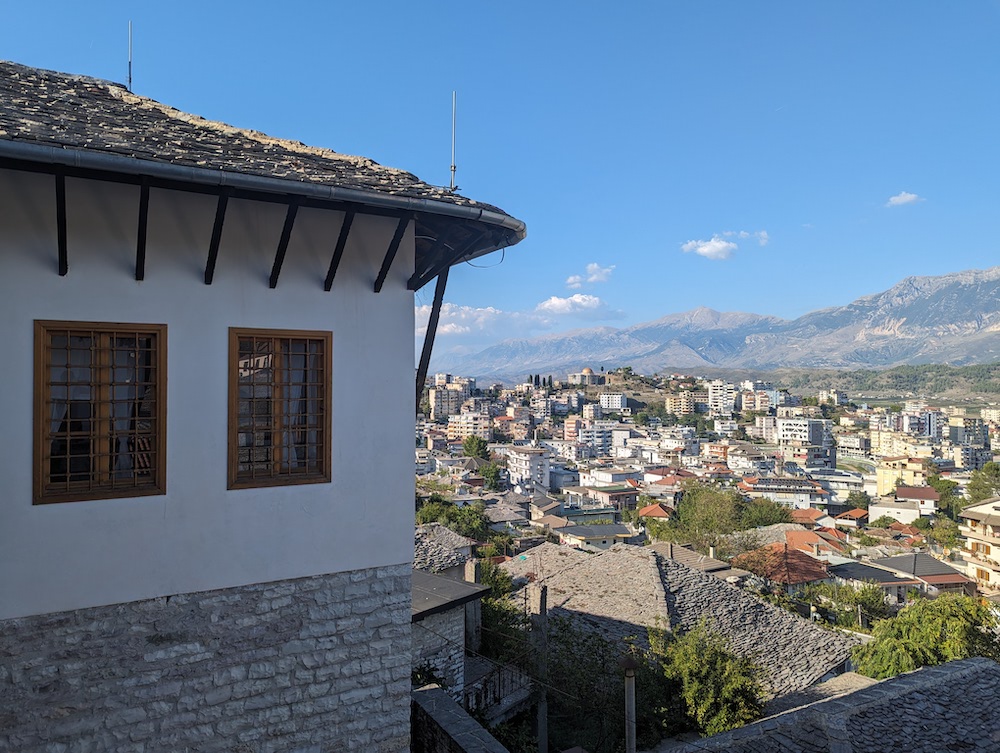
<point>314,664</point>
<point>439,641</point>
<point>442,726</point>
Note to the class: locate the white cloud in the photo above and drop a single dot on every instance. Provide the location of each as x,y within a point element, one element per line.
<point>716,248</point>
<point>574,304</point>
<point>903,197</point>
<point>719,248</point>
<point>458,320</point>
<point>597,273</point>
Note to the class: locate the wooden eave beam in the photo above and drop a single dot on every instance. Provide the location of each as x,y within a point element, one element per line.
<point>432,325</point>
<point>140,242</point>
<point>446,261</point>
<point>432,257</point>
<point>213,246</point>
<point>61,224</point>
<point>390,254</point>
<point>286,234</point>
<point>338,251</point>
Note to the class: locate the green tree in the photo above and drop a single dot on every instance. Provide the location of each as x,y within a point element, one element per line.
<point>720,690</point>
<point>764,512</point>
<point>945,533</point>
<point>984,483</point>
<point>883,521</point>
<point>859,499</point>
<point>491,476</point>
<point>950,503</point>
<point>475,447</point>
<point>929,632</point>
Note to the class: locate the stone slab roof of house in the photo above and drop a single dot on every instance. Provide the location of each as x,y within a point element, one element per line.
<point>444,536</point>
<point>688,556</point>
<point>542,561</point>
<point>431,556</point>
<point>78,112</point>
<point>765,535</point>
<point>624,590</point>
<point>931,710</point>
<point>504,513</point>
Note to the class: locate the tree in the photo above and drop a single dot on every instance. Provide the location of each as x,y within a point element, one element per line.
<point>859,499</point>
<point>475,447</point>
<point>929,632</point>
<point>984,483</point>
<point>491,476</point>
<point>950,503</point>
<point>720,690</point>
<point>764,512</point>
<point>883,521</point>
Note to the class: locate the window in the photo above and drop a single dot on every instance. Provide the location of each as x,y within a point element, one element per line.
<point>100,410</point>
<point>279,407</point>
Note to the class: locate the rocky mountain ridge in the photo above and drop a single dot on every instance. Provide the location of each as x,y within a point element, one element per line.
<point>949,319</point>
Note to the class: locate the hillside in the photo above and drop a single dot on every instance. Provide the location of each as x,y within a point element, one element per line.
<point>951,319</point>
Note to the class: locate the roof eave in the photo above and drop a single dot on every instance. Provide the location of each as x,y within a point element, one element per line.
<point>512,230</point>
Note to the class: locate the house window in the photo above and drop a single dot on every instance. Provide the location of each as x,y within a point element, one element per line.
<point>279,407</point>
<point>982,574</point>
<point>100,410</point>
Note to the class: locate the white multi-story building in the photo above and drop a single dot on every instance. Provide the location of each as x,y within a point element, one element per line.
<point>613,402</point>
<point>528,467</point>
<point>592,411</point>
<point>721,398</point>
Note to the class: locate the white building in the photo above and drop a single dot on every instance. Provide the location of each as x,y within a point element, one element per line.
<point>528,467</point>
<point>613,402</point>
<point>188,314</point>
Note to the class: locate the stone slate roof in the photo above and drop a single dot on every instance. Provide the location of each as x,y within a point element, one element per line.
<point>951,707</point>
<point>444,536</point>
<point>78,112</point>
<point>625,589</point>
<point>431,556</point>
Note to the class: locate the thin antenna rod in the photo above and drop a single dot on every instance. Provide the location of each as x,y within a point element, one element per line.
<point>454,109</point>
<point>130,56</point>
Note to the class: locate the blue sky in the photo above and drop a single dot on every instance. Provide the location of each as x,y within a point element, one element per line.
<point>773,157</point>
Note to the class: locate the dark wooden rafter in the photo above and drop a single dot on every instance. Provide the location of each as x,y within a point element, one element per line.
<point>338,251</point>
<point>140,241</point>
<point>432,325</point>
<point>61,224</point>
<point>433,256</point>
<point>286,234</point>
<point>213,246</point>
<point>445,261</point>
<point>390,254</point>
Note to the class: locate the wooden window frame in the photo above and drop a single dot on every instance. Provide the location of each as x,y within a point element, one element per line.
<point>44,490</point>
<point>323,474</point>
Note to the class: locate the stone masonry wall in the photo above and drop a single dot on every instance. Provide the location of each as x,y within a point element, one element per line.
<point>439,640</point>
<point>315,664</point>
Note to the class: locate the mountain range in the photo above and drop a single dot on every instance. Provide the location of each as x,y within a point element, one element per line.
<point>949,319</point>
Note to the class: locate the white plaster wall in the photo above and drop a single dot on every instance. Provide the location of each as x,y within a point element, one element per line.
<point>199,535</point>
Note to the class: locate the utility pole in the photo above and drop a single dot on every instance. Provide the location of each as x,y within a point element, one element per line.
<point>540,637</point>
<point>629,665</point>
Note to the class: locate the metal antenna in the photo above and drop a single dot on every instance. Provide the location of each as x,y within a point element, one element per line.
<point>454,108</point>
<point>130,56</point>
